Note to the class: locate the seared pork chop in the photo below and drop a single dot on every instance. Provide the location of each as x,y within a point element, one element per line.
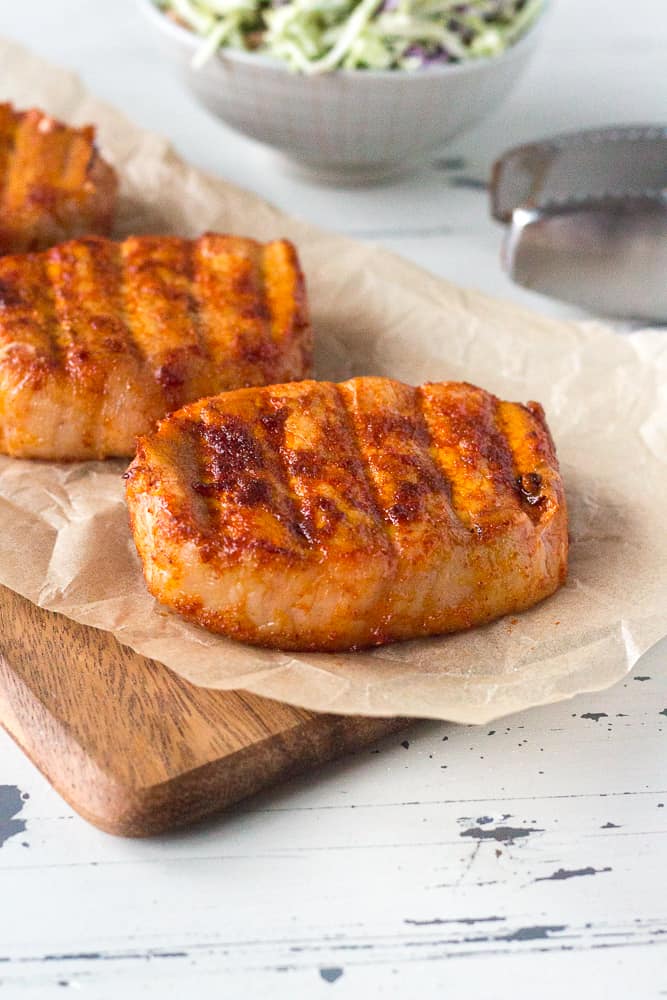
<point>53,182</point>
<point>316,516</point>
<point>98,340</point>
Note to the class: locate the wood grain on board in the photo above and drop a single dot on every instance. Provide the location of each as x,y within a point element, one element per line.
<point>134,748</point>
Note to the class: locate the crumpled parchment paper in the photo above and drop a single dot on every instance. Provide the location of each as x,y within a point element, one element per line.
<point>65,542</point>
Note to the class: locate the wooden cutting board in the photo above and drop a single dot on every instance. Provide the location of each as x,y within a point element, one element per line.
<point>134,748</point>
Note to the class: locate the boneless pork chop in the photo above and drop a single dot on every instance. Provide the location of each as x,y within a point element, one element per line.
<point>98,339</point>
<point>53,182</point>
<point>317,516</point>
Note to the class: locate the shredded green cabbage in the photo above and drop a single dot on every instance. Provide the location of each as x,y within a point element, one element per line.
<point>318,36</point>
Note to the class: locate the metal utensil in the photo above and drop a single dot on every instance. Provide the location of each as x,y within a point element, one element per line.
<point>588,219</point>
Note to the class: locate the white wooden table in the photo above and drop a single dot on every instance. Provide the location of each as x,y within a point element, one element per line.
<point>525,859</point>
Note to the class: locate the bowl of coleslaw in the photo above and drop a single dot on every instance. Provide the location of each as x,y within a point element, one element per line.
<point>349,89</point>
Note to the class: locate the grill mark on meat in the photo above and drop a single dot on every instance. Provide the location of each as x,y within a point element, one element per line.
<point>231,460</point>
<point>61,329</point>
<point>272,264</point>
<point>259,351</point>
<point>283,280</point>
<point>10,168</point>
<point>57,331</point>
<point>232,451</point>
<point>133,345</point>
<point>431,450</point>
<point>75,281</point>
<point>528,438</point>
<point>374,501</point>
<point>104,331</point>
<point>210,302</point>
<point>191,464</point>
<point>497,451</point>
<point>431,479</point>
<point>271,317</point>
<point>300,520</point>
<point>159,300</point>
<point>272,422</point>
<point>414,496</point>
<point>10,296</point>
<point>77,157</point>
<point>93,157</point>
<point>8,130</point>
<point>27,320</point>
<point>130,269</point>
<point>240,463</point>
<point>196,311</point>
<point>324,477</point>
<point>300,319</point>
<point>473,453</point>
<point>80,281</point>
<point>197,463</point>
<point>175,365</point>
<point>231,295</point>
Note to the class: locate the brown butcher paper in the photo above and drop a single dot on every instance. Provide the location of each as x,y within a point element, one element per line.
<point>65,541</point>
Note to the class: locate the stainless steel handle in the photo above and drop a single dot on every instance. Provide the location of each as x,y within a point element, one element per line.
<point>609,255</point>
<point>588,218</point>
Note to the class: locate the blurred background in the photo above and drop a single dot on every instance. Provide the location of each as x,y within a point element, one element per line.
<point>598,62</point>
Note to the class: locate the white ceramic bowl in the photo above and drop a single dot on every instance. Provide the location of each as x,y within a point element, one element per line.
<point>351,123</point>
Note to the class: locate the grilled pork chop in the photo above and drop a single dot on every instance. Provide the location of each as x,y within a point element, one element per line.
<point>98,340</point>
<point>53,182</point>
<point>326,517</point>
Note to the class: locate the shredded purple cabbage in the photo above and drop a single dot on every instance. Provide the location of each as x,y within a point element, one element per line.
<point>428,56</point>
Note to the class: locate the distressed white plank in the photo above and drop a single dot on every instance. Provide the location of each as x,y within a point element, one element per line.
<point>360,873</point>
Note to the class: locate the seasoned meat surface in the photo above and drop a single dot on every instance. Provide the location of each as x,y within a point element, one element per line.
<point>53,182</point>
<point>98,339</point>
<point>317,516</point>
